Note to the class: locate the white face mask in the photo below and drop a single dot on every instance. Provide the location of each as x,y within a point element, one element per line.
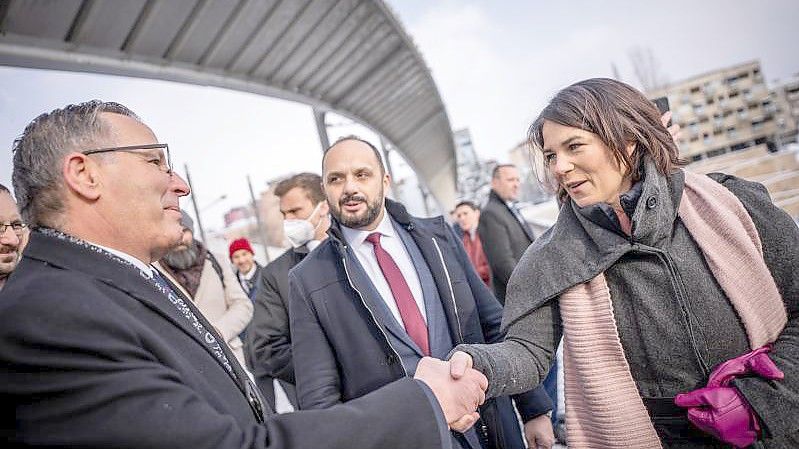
<point>300,232</point>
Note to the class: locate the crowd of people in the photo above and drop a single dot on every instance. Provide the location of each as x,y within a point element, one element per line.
<point>674,296</point>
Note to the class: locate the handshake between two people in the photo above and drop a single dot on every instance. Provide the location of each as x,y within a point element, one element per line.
<point>458,387</point>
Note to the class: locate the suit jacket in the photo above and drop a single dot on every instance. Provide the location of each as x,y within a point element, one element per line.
<point>92,355</point>
<point>268,337</point>
<point>256,277</point>
<point>504,241</point>
<point>341,344</point>
<point>226,305</point>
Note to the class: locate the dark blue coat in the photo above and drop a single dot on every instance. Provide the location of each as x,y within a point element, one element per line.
<point>340,347</point>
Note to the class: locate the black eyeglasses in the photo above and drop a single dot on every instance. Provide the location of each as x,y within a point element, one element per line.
<point>164,164</point>
<point>16,226</point>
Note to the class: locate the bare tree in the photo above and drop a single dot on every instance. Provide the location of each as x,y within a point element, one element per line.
<point>647,69</point>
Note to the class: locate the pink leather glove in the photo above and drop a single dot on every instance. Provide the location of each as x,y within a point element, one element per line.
<point>756,362</point>
<point>721,410</point>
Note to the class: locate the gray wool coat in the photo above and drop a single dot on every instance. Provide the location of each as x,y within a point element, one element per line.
<point>674,321</point>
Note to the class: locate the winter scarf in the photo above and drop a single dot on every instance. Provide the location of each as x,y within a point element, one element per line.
<point>604,408</point>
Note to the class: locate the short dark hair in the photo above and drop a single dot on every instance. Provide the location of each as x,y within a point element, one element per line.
<point>4,189</point>
<point>311,183</point>
<point>495,171</point>
<point>466,203</point>
<point>618,114</point>
<point>358,139</point>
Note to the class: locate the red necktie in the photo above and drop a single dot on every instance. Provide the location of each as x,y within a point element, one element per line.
<point>409,311</point>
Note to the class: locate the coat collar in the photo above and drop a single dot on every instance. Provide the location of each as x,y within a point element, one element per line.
<point>395,210</point>
<point>70,253</point>
<point>575,249</point>
<point>423,232</point>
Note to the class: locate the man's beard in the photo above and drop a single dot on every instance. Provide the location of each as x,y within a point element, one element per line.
<point>355,221</point>
<point>183,258</point>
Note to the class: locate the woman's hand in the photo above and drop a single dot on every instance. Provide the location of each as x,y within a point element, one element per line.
<point>459,363</point>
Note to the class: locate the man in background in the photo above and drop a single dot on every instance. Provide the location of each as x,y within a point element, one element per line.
<point>13,234</point>
<point>305,224</point>
<point>504,232</point>
<point>248,270</point>
<point>210,285</point>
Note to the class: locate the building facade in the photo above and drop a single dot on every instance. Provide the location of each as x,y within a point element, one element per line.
<point>726,110</point>
<point>474,175</point>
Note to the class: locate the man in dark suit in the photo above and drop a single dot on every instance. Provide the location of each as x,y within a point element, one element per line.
<point>248,270</point>
<point>385,290</point>
<point>98,351</point>
<point>305,223</point>
<point>502,229</point>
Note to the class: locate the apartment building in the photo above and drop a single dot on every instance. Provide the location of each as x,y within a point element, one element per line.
<point>726,110</point>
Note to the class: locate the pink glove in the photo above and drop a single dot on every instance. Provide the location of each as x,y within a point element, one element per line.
<point>755,362</point>
<point>721,410</point>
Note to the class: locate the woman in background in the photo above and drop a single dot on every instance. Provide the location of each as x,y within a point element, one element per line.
<point>676,293</point>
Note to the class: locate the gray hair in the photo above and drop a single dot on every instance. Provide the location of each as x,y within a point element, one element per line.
<point>39,152</point>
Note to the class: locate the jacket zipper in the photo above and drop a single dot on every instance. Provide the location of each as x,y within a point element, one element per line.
<point>679,289</point>
<point>451,291</point>
<point>482,427</point>
<point>371,313</point>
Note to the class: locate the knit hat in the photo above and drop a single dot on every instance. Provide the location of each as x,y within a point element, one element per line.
<point>238,244</point>
<point>186,221</point>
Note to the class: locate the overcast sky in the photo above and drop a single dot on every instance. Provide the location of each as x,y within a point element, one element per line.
<point>495,62</point>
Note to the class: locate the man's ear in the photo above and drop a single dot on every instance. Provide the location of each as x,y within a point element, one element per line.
<point>81,176</point>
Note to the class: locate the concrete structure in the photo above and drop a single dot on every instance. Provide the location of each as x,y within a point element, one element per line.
<point>348,56</point>
<point>786,97</point>
<point>725,110</point>
<point>778,172</point>
<point>474,175</point>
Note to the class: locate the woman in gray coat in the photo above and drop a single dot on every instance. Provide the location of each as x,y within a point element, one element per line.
<point>676,293</point>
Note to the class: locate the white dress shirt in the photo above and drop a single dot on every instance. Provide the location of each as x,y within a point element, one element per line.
<point>312,244</point>
<point>393,245</point>
<point>248,275</point>
<point>146,269</point>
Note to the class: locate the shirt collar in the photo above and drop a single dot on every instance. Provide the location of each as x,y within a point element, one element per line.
<point>356,237</point>
<point>248,275</point>
<point>312,244</point>
<point>146,269</point>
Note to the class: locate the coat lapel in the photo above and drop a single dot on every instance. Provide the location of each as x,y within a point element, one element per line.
<point>375,302</point>
<point>435,262</point>
<point>73,254</point>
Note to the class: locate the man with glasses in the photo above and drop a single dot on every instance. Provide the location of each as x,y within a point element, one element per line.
<point>13,234</point>
<point>97,350</point>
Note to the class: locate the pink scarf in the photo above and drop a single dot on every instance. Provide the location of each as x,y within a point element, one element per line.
<point>603,406</point>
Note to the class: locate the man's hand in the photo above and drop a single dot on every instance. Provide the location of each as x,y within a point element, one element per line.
<point>539,433</point>
<point>459,397</point>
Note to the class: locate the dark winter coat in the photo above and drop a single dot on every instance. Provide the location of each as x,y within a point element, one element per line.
<point>674,321</point>
<point>504,240</point>
<point>93,355</point>
<point>340,344</point>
